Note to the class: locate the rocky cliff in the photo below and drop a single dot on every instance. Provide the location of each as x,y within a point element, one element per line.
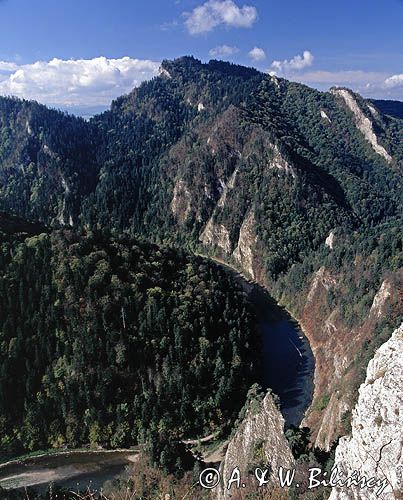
<point>258,442</point>
<point>335,346</point>
<point>375,446</point>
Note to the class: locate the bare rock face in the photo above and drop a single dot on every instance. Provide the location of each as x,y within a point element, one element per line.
<point>63,217</point>
<point>375,447</point>
<point>180,204</point>
<point>216,235</point>
<point>164,73</point>
<point>325,116</point>
<point>334,412</point>
<point>226,188</point>
<point>259,438</point>
<point>279,162</point>
<point>362,122</point>
<point>373,111</point>
<point>329,242</point>
<point>244,252</point>
<point>322,279</point>
<point>381,298</point>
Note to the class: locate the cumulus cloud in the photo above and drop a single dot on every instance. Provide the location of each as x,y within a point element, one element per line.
<point>223,51</point>
<point>257,54</point>
<point>7,66</point>
<point>214,13</point>
<point>376,84</point>
<point>297,63</point>
<point>79,82</point>
<point>394,81</point>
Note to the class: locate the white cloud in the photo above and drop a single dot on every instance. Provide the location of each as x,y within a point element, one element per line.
<point>295,64</point>
<point>80,82</point>
<point>257,54</point>
<point>223,51</point>
<point>374,84</point>
<point>214,13</point>
<point>167,26</point>
<point>8,66</point>
<point>394,81</point>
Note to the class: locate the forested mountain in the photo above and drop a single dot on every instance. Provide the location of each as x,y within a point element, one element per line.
<point>200,124</point>
<point>300,189</point>
<point>392,108</point>
<point>47,162</point>
<point>111,341</point>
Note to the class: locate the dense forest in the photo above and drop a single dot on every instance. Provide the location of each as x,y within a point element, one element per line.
<point>111,341</point>
<point>47,162</point>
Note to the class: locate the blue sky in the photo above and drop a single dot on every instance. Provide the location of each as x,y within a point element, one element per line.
<point>79,54</point>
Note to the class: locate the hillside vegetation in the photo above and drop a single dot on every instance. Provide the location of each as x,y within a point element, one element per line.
<point>111,341</point>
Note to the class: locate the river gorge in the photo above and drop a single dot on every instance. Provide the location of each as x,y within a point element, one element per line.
<point>288,362</point>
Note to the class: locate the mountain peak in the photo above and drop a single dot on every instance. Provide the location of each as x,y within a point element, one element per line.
<point>185,67</point>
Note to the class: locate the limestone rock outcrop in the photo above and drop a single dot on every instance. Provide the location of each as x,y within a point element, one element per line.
<point>362,122</point>
<point>244,252</point>
<point>216,234</point>
<point>376,444</point>
<point>259,438</point>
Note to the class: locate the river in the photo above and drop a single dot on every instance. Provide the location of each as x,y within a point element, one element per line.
<point>72,470</point>
<point>288,362</point>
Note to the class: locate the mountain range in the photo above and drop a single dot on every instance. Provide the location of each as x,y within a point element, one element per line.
<point>301,190</point>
